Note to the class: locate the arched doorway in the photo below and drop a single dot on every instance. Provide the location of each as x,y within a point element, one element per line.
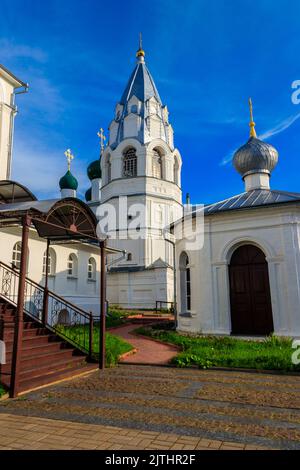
<point>250,299</point>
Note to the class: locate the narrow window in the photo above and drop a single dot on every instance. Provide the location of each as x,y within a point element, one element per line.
<point>51,263</point>
<point>130,163</point>
<point>156,164</point>
<point>16,257</point>
<point>72,265</point>
<point>92,269</point>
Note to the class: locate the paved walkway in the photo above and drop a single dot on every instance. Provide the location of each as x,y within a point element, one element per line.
<point>247,409</point>
<point>148,351</point>
<point>28,433</point>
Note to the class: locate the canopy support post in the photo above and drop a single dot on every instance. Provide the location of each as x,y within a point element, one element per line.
<point>45,300</point>
<point>19,320</point>
<point>102,305</point>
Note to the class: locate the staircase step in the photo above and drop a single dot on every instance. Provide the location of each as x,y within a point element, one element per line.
<point>44,358</point>
<point>46,369</point>
<point>32,383</point>
<point>30,349</point>
<point>34,339</point>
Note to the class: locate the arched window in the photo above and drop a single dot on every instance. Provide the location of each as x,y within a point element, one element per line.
<point>51,262</point>
<point>92,269</point>
<point>129,256</point>
<point>129,163</point>
<point>72,265</point>
<point>108,169</point>
<point>185,283</point>
<point>156,164</point>
<point>176,171</point>
<point>16,257</point>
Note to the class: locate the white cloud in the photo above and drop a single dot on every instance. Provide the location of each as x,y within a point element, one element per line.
<point>10,50</point>
<point>282,126</point>
<point>40,168</point>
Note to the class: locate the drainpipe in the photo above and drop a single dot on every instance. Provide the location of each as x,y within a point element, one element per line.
<point>174,276</point>
<point>14,110</point>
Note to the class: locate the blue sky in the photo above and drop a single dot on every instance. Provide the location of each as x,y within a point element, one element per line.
<point>206,57</point>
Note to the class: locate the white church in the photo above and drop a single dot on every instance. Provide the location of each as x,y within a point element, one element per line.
<point>245,278</point>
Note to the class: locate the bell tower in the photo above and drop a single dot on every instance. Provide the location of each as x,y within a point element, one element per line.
<point>142,164</point>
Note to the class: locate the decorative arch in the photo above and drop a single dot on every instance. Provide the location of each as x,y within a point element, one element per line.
<point>231,246</point>
<point>185,282</point>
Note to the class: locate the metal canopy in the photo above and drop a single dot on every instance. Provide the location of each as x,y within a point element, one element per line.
<point>54,219</point>
<point>11,192</point>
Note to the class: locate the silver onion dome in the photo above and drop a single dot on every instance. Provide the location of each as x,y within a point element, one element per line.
<point>255,156</point>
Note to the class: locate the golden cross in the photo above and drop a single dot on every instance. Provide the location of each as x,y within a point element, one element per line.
<point>252,123</point>
<point>70,157</point>
<point>102,138</point>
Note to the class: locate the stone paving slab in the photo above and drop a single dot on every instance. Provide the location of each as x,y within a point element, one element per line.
<point>29,433</point>
<point>247,409</point>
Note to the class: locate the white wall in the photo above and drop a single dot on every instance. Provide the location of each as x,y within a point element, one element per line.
<point>78,290</point>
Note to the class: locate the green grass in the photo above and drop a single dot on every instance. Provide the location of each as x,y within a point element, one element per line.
<point>3,391</point>
<point>117,316</point>
<point>271,354</point>
<point>115,346</point>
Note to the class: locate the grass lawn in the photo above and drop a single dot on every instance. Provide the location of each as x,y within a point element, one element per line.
<point>2,390</point>
<point>271,354</point>
<point>117,316</point>
<point>115,346</point>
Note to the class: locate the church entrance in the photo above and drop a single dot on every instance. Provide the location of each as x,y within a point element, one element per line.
<point>250,299</point>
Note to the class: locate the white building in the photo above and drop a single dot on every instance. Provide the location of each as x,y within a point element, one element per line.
<point>9,86</point>
<point>246,278</point>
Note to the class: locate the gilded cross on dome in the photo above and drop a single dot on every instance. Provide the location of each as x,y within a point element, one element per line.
<point>69,157</point>
<point>102,138</point>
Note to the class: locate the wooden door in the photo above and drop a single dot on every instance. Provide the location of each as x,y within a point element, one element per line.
<point>251,311</point>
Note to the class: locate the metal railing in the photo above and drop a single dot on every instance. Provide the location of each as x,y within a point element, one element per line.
<point>53,312</point>
<point>163,306</point>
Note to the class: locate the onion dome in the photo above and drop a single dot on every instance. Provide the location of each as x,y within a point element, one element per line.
<point>255,156</point>
<point>94,170</point>
<point>88,195</point>
<point>68,181</point>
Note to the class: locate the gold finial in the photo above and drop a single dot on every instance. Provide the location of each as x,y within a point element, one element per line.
<point>70,157</point>
<point>140,51</point>
<point>251,123</point>
<point>102,138</point>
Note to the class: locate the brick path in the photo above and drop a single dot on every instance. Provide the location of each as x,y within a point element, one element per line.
<point>148,351</point>
<point>29,433</point>
<point>201,406</point>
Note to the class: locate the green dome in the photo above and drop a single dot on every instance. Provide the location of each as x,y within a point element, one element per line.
<point>88,195</point>
<point>94,170</point>
<point>68,181</point>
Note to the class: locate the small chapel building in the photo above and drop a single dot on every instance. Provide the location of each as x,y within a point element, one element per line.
<point>245,280</point>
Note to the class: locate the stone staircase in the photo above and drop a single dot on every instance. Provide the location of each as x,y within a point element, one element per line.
<point>45,357</point>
